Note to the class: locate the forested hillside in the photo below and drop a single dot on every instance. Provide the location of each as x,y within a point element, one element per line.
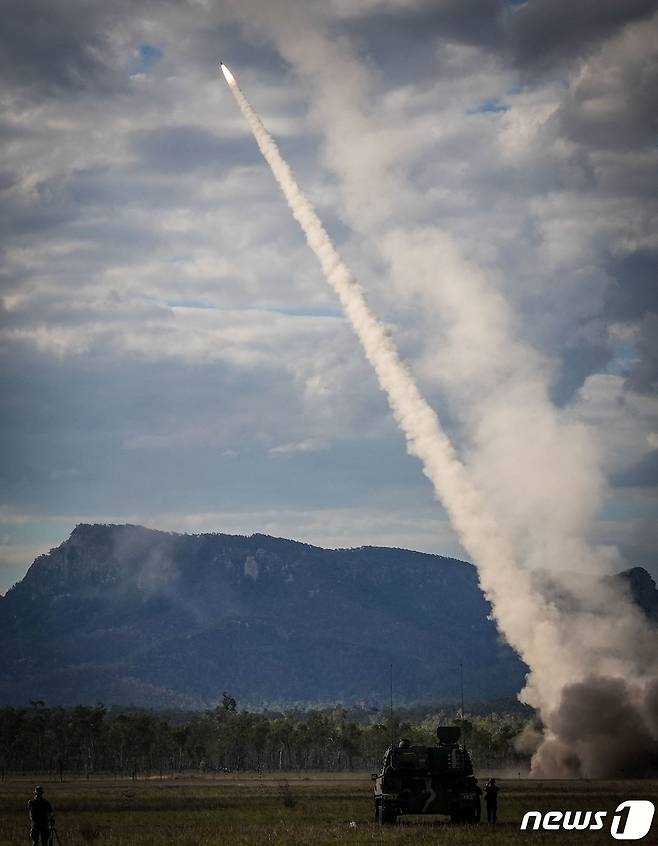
<point>123,614</point>
<point>128,615</point>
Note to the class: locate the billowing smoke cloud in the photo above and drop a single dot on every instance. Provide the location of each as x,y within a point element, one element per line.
<point>604,726</point>
<point>578,634</point>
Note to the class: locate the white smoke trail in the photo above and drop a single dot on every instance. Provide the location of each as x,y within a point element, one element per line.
<point>419,423</point>
<point>562,649</point>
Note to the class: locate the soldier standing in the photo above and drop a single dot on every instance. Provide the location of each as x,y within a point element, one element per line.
<point>40,811</point>
<point>491,798</point>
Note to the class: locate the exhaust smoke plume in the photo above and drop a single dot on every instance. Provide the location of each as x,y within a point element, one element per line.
<point>590,651</point>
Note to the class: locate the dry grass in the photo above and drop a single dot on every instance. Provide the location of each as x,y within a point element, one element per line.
<point>252,810</point>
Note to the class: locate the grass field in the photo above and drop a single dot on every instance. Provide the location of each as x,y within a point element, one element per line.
<point>277,809</point>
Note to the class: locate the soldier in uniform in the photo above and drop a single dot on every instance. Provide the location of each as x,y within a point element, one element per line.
<point>491,799</point>
<point>40,811</point>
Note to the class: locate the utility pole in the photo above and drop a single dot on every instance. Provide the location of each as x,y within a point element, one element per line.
<point>461,687</point>
<point>391,705</point>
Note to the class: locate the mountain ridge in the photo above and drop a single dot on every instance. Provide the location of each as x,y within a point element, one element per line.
<point>130,615</point>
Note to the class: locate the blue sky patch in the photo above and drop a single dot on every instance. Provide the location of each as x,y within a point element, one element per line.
<point>493,105</point>
<point>310,311</point>
<point>149,55</point>
<point>624,358</point>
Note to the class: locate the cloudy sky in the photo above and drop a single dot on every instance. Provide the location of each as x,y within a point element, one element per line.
<point>171,353</point>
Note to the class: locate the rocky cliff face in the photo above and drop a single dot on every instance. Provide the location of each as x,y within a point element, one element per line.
<point>124,614</point>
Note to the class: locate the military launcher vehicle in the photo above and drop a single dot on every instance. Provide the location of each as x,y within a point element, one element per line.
<point>428,780</point>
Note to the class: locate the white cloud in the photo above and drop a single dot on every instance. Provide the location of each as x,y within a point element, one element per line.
<point>624,421</point>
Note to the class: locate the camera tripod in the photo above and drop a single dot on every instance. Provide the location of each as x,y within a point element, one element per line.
<point>53,837</point>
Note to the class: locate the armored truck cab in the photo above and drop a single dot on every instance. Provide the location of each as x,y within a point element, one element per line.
<point>428,780</point>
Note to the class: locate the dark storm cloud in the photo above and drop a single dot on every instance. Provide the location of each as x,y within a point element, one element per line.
<point>60,206</point>
<point>634,298</point>
<point>533,35</point>
<point>11,131</point>
<point>632,175</point>
<point>546,31</point>
<point>470,21</point>
<point>635,290</point>
<point>55,48</point>
<point>45,208</point>
<point>403,43</point>
<point>630,121</point>
<point>618,110</point>
<point>7,180</point>
<point>51,48</point>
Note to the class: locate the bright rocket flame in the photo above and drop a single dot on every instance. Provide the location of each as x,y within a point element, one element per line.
<point>228,76</point>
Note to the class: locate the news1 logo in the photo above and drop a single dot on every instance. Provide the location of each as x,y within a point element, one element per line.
<point>630,821</point>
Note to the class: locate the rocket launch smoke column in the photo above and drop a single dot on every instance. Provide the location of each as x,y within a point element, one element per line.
<point>530,620</point>
<point>425,438</point>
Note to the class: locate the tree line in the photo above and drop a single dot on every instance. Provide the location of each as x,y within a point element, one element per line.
<point>134,743</point>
